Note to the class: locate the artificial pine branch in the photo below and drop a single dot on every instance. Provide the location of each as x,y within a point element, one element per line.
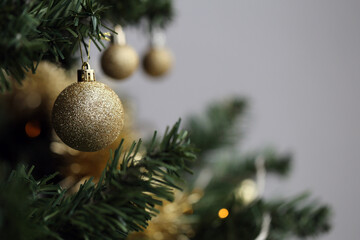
<point>158,13</point>
<point>216,134</point>
<point>298,217</point>
<point>218,127</point>
<point>36,30</point>
<point>226,180</point>
<point>238,166</point>
<point>122,201</point>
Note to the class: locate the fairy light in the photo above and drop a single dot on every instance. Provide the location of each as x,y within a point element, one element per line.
<point>223,213</point>
<point>261,182</point>
<point>32,129</point>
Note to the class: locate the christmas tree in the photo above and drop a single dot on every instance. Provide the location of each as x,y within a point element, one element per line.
<point>186,184</point>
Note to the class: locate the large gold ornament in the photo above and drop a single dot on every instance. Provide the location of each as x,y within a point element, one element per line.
<point>157,61</point>
<point>119,60</point>
<point>87,115</point>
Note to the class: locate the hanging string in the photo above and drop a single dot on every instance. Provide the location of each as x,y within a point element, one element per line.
<point>103,36</point>
<point>157,38</point>
<point>88,51</point>
<point>88,48</point>
<point>120,37</point>
<point>81,55</point>
<point>265,227</point>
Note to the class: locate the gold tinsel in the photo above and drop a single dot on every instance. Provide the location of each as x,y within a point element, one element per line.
<point>171,223</point>
<point>39,90</point>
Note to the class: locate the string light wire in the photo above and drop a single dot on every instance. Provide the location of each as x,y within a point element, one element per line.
<point>261,182</point>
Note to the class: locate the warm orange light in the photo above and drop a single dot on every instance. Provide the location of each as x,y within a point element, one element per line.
<point>223,213</point>
<point>32,129</point>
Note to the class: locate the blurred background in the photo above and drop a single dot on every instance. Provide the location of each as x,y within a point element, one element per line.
<point>298,63</point>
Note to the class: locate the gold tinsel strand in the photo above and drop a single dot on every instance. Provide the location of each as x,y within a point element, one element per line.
<point>39,90</point>
<point>171,223</point>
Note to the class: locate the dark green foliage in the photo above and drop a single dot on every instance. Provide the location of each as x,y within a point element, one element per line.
<point>238,167</point>
<point>298,217</point>
<point>289,218</point>
<point>227,176</point>
<point>158,13</point>
<point>216,135</point>
<point>218,127</point>
<point>123,200</point>
<point>14,207</point>
<point>17,146</point>
<point>36,30</point>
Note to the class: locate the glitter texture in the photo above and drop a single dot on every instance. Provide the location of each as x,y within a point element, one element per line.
<point>88,116</point>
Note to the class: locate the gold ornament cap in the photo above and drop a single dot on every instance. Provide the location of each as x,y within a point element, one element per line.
<point>86,74</point>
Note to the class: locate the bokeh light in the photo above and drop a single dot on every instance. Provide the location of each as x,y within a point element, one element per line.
<point>32,129</point>
<point>223,213</point>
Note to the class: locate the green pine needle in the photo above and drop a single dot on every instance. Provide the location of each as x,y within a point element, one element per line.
<point>122,201</point>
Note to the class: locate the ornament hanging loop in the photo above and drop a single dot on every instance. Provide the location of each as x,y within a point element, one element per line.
<point>86,74</point>
<point>118,38</point>
<point>157,38</point>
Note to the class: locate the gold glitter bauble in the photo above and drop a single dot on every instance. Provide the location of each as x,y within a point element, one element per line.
<point>157,62</point>
<point>88,116</point>
<point>119,61</point>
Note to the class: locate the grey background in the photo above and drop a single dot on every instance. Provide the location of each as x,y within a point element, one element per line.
<point>298,62</point>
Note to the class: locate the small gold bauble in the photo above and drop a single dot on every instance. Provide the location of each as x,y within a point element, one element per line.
<point>157,61</point>
<point>119,61</point>
<point>88,116</point>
